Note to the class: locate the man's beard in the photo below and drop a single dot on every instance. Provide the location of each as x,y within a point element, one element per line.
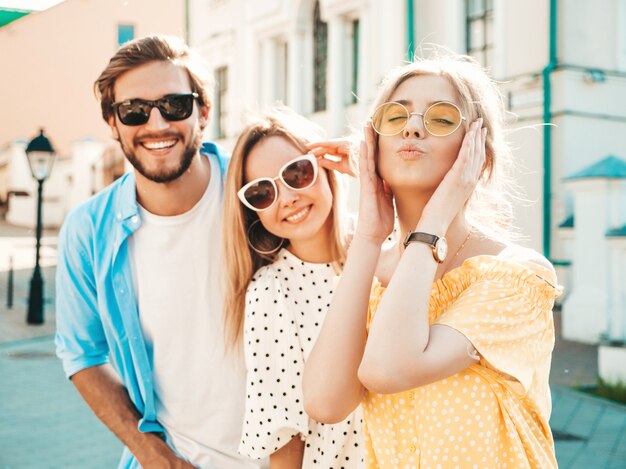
<point>190,150</point>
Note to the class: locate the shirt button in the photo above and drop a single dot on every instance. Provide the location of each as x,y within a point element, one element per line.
<point>119,215</point>
<point>411,449</point>
<point>134,219</point>
<point>412,395</point>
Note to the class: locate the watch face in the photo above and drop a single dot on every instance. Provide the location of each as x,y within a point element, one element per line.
<point>441,249</point>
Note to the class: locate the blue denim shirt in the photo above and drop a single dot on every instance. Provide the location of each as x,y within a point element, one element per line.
<point>96,305</point>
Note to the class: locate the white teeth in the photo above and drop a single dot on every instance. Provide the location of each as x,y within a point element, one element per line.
<point>297,216</point>
<point>159,145</point>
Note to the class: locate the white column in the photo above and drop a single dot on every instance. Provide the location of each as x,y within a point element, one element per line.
<point>390,36</point>
<point>22,210</point>
<point>617,292</point>
<point>268,70</point>
<point>335,82</point>
<point>365,85</point>
<point>585,309</point>
<point>86,154</point>
<point>296,70</point>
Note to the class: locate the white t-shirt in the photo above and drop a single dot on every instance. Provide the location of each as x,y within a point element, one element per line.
<point>199,390</point>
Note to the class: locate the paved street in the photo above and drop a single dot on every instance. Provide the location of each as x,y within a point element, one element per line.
<point>45,425</point>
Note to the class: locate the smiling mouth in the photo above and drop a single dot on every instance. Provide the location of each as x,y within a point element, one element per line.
<point>296,217</point>
<point>159,145</point>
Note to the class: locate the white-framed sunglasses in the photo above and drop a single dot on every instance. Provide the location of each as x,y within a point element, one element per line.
<point>297,174</point>
<point>440,119</point>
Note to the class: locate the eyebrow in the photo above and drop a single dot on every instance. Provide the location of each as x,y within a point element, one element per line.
<point>407,102</point>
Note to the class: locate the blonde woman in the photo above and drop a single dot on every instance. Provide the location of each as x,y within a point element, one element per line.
<point>285,243</point>
<point>449,351</point>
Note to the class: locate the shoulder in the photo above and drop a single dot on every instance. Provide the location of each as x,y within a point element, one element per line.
<point>99,211</point>
<point>523,269</point>
<point>527,256</point>
<point>265,283</point>
<point>220,153</point>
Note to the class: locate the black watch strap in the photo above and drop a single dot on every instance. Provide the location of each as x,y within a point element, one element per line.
<point>418,236</point>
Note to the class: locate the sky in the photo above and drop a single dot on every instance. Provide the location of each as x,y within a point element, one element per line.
<point>28,4</point>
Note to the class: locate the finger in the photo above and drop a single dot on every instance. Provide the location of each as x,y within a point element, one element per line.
<point>340,166</point>
<point>363,159</point>
<point>466,148</point>
<point>338,145</point>
<point>371,146</point>
<point>323,151</point>
<point>479,150</point>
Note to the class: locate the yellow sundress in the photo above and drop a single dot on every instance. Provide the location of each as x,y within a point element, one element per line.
<point>495,413</point>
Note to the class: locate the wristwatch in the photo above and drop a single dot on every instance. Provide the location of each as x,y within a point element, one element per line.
<point>439,244</point>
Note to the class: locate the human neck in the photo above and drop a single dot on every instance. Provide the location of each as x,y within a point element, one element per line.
<point>410,207</point>
<point>177,196</point>
<point>316,249</point>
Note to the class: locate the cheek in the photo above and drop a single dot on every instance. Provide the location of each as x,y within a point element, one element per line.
<point>383,159</point>
<point>323,194</point>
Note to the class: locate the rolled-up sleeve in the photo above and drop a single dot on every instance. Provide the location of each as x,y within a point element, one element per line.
<point>80,338</point>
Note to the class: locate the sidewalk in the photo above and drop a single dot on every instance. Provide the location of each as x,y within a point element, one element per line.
<point>44,424</point>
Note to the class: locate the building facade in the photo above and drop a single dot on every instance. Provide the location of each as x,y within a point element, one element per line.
<point>50,60</point>
<point>564,83</point>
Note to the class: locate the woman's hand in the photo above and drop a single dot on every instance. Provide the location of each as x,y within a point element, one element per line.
<point>336,154</point>
<point>459,183</point>
<point>376,211</point>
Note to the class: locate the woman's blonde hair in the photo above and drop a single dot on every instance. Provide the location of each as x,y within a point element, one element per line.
<point>241,260</point>
<point>489,207</point>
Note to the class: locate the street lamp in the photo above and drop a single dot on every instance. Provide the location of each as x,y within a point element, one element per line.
<point>40,156</point>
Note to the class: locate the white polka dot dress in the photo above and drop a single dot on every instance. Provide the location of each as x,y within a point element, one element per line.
<point>286,304</point>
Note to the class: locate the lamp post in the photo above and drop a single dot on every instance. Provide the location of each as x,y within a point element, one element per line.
<point>40,156</point>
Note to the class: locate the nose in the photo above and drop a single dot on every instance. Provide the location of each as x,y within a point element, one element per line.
<point>287,196</point>
<point>414,126</point>
<point>156,121</point>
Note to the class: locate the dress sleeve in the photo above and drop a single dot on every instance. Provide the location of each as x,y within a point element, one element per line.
<point>80,338</point>
<point>274,359</point>
<point>506,313</point>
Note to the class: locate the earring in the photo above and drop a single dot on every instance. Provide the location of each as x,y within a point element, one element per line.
<point>263,246</point>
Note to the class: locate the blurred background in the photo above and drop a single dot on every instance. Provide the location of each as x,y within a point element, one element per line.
<point>561,65</point>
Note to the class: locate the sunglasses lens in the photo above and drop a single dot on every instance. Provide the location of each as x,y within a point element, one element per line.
<point>172,108</point>
<point>300,174</point>
<point>133,113</point>
<point>176,108</point>
<point>390,119</point>
<point>260,195</point>
<point>442,119</point>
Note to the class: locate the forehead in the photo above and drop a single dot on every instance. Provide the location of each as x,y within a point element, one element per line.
<point>423,90</point>
<point>152,81</point>
<point>268,156</point>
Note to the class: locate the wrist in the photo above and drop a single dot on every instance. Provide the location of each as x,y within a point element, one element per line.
<point>366,239</point>
<point>431,226</point>
<point>153,448</point>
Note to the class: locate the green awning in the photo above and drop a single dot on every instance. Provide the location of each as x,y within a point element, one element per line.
<point>8,15</point>
<point>610,167</point>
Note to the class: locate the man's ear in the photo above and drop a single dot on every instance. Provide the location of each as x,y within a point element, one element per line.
<point>204,116</point>
<point>111,122</point>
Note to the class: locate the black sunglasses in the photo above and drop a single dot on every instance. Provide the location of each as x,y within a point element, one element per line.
<point>175,107</point>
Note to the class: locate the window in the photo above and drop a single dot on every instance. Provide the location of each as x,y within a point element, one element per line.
<point>221,97</point>
<point>320,59</point>
<point>354,75</point>
<point>479,30</point>
<point>125,33</point>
